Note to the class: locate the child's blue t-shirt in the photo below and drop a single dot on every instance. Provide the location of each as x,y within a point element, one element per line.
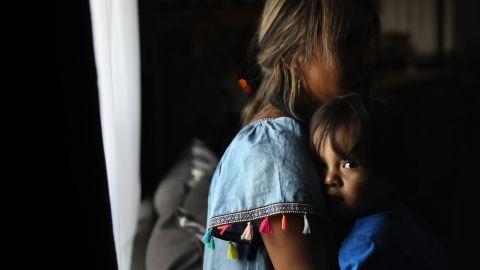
<point>396,239</point>
<point>267,169</point>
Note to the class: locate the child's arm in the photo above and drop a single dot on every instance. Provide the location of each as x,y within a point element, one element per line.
<point>291,249</point>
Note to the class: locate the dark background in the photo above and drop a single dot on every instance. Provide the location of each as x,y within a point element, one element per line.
<point>192,53</point>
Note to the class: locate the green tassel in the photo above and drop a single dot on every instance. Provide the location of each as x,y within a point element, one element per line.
<point>232,253</point>
<point>211,244</point>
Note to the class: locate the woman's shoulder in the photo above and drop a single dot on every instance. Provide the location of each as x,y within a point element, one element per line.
<point>270,133</point>
<point>266,169</point>
<point>267,143</point>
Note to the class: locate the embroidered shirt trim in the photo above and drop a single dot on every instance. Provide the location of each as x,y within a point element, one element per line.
<point>272,209</point>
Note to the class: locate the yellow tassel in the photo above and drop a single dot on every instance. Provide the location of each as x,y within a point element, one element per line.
<point>232,253</point>
<point>284,223</point>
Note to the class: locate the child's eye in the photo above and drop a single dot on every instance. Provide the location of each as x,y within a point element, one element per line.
<point>350,164</point>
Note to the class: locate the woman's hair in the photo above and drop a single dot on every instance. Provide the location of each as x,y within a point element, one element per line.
<point>375,126</point>
<point>290,30</point>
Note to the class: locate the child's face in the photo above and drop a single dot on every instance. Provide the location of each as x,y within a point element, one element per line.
<point>350,193</point>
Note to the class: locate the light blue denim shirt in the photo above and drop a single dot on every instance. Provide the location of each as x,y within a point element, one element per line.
<point>268,169</point>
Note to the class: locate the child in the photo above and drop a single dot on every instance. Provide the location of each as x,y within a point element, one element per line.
<point>358,141</point>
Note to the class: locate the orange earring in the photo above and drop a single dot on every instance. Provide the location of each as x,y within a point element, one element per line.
<point>245,86</point>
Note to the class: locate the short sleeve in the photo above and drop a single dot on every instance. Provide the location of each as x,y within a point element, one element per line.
<point>363,252</point>
<point>355,253</point>
<point>267,170</point>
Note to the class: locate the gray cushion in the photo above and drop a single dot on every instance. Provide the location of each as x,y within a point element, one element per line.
<point>180,202</point>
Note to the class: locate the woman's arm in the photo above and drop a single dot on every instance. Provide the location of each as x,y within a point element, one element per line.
<point>291,249</point>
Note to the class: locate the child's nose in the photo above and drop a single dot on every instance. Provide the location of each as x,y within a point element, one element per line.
<point>332,179</point>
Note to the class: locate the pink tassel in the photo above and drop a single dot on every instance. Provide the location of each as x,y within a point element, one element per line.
<point>248,233</point>
<point>284,223</point>
<point>265,227</point>
<point>224,228</point>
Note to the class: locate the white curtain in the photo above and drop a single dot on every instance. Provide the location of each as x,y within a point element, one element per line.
<point>116,45</point>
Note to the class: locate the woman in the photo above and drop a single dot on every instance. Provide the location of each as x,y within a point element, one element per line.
<point>265,204</point>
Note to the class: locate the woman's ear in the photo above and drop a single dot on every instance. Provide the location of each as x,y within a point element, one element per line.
<point>297,65</point>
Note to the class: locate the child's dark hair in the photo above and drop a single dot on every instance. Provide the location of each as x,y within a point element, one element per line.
<point>378,133</point>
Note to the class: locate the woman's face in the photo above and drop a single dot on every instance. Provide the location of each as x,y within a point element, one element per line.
<point>353,70</point>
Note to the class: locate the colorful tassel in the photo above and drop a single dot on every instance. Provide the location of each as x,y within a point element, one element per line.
<point>306,225</point>
<point>224,228</point>
<point>266,227</point>
<point>284,223</point>
<point>248,232</point>
<point>207,237</point>
<point>232,253</point>
<point>211,244</point>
